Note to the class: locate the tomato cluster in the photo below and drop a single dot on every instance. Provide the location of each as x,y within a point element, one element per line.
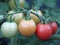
<point>44,31</point>
<point>28,27</point>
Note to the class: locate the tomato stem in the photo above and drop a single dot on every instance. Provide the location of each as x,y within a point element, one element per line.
<point>28,15</point>
<point>12,41</point>
<point>9,19</point>
<point>47,20</point>
<point>16,37</point>
<point>40,17</point>
<point>17,4</point>
<point>54,37</point>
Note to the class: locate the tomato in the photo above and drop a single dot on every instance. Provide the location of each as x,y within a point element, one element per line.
<point>27,27</point>
<point>17,17</point>
<point>43,31</point>
<point>9,29</point>
<point>12,3</point>
<point>54,27</point>
<point>11,12</point>
<point>39,12</point>
<point>34,17</point>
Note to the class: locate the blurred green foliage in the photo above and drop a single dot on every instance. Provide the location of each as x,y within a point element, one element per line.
<point>3,7</point>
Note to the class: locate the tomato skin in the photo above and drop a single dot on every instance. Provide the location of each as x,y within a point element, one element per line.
<point>34,17</point>
<point>43,31</point>
<point>13,6</point>
<point>9,29</point>
<point>11,12</point>
<point>17,17</point>
<point>54,27</point>
<point>27,27</point>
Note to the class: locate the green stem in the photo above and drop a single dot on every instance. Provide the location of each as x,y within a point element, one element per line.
<point>17,3</point>
<point>35,8</point>
<point>40,17</point>
<point>54,37</point>
<point>12,41</point>
<point>9,19</point>
<point>47,20</point>
<point>28,15</point>
<point>15,41</point>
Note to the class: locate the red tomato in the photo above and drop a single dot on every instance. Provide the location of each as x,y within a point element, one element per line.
<point>54,27</point>
<point>43,31</point>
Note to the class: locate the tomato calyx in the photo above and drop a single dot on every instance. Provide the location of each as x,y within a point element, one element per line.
<point>28,15</point>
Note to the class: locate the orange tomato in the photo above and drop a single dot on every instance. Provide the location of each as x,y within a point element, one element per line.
<point>27,27</point>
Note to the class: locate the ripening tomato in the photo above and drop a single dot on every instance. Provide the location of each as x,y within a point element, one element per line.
<point>43,31</point>
<point>9,29</point>
<point>10,12</point>
<point>17,17</point>
<point>27,27</point>
<point>54,27</point>
<point>34,17</point>
<point>13,5</point>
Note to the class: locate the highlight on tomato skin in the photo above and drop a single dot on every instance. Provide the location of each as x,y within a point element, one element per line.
<point>43,31</point>
<point>54,27</point>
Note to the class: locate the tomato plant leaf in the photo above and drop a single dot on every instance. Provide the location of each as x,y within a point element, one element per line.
<point>26,5</point>
<point>3,7</point>
<point>55,14</point>
<point>37,3</point>
<point>50,3</point>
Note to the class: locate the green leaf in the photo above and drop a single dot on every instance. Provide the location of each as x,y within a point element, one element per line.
<point>50,3</point>
<point>37,3</point>
<point>55,14</point>
<point>26,5</point>
<point>3,7</point>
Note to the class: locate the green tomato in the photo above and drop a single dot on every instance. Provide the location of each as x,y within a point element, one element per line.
<point>9,29</point>
<point>34,17</point>
<point>13,6</point>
